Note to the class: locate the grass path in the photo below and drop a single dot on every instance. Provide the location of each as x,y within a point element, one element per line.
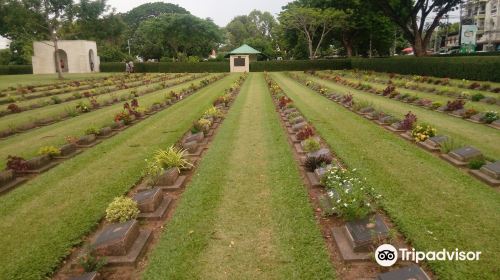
<point>480,136</point>
<point>28,143</point>
<point>42,220</point>
<point>434,204</point>
<point>246,214</point>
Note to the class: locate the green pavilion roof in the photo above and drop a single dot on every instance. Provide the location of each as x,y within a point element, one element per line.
<point>244,49</point>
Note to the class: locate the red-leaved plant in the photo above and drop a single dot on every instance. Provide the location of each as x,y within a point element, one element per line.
<point>14,108</point>
<point>409,121</point>
<point>284,101</point>
<point>305,133</point>
<point>454,105</point>
<point>17,164</point>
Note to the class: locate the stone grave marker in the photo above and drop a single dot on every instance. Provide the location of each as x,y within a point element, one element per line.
<point>412,272</point>
<point>149,200</point>
<point>361,232</point>
<point>465,154</point>
<point>116,239</point>
<point>198,137</point>
<point>87,276</point>
<point>322,152</point>
<point>105,131</point>
<point>169,177</point>
<point>191,146</point>
<point>477,118</point>
<point>495,124</point>
<point>492,170</point>
<point>299,126</point>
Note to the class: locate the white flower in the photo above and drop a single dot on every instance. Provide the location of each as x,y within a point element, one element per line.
<point>345,204</point>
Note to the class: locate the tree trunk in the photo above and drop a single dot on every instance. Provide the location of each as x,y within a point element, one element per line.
<point>419,46</point>
<point>58,62</point>
<point>311,52</point>
<point>347,43</point>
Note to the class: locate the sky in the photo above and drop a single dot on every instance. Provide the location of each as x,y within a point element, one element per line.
<point>221,11</point>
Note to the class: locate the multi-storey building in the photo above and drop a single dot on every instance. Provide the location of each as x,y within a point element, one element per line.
<point>485,14</point>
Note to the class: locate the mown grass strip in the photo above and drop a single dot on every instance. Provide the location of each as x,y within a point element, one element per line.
<point>29,79</point>
<point>15,120</point>
<point>479,106</point>
<point>27,144</point>
<point>246,214</point>
<point>44,219</point>
<point>434,204</point>
<point>480,136</point>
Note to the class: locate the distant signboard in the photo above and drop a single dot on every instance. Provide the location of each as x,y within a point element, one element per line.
<point>468,38</point>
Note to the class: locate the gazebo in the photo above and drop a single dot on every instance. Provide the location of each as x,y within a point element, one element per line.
<point>241,57</point>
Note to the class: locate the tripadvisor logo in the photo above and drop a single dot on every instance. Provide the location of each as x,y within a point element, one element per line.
<point>387,255</point>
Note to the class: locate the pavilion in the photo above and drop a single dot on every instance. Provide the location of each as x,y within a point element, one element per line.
<point>241,57</point>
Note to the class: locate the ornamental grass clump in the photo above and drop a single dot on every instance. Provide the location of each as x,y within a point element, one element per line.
<point>163,160</point>
<point>121,210</point>
<point>423,132</point>
<point>351,197</point>
<point>202,125</point>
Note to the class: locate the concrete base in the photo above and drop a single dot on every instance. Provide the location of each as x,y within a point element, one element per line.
<point>14,183</point>
<point>485,178</point>
<point>107,136</point>
<point>41,169</point>
<point>344,246</point>
<point>134,253</point>
<point>313,179</point>
<point>428,147</point>
<point>76,152</point>
<point>453,160</point>
<point>159,213</point>
<point>179,183</point>
<point>88,145</point>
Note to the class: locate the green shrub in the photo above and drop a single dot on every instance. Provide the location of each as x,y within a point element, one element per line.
<point>91,130</point>
<point>311,145</point>
<point>122,209</point>
<point>477,163</point>
<point>50,151</point>
<point>477,97</point>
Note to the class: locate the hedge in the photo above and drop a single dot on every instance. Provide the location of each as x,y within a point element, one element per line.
<point>481,68</point>
<point>15,69</point>
<point>471,68</point>
<point>169,67</point>
<point>300,65</point>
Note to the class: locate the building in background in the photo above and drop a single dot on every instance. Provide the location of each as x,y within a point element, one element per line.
<point>75,56</point>
<point>485,15</point>
<point>241,57</point>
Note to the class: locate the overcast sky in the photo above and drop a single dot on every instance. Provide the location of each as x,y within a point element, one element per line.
<point>221,11</point>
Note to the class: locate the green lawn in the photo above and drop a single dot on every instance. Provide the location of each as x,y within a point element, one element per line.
<point>480,136</point>
<point>29,79</point>
<point>27,144</point>
<point>479,106</point>
<point>56,110</point>
<point>131,83</point>
<point>42,220</point>
<point>434,204</point>
<point>246,213</point>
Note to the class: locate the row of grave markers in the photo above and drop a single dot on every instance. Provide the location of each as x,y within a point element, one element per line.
<point>354,240</point>
<point>123,244</point>
<point>488,173</point>
<point>10,179</point>
<point>460,113</point>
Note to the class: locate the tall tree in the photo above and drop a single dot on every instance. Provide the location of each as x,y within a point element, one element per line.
<point>314,23</point>
<point>174,34</point>
<point>412,15</point>
<point>256,29</point>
